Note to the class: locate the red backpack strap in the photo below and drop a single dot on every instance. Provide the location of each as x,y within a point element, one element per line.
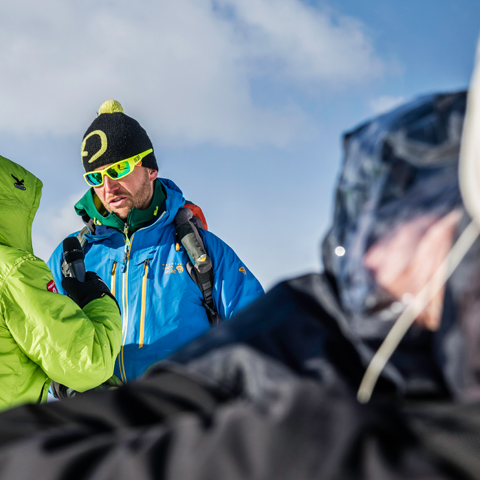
<point>198,216</point>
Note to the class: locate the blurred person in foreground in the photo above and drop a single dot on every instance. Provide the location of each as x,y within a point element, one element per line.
<point>272,394</point>
<point>45,336</point>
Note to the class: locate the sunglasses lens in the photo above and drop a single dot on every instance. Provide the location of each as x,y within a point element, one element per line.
<point>119,170</point>
<point>94,178</point>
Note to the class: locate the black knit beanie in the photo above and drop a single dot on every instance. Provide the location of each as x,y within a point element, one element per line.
<point>114,136</point>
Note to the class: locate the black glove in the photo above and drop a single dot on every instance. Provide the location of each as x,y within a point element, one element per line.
<point>62,392</point>
<point>84,292</point>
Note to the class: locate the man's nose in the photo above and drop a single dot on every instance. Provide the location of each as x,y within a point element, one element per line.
<point>109,184</point>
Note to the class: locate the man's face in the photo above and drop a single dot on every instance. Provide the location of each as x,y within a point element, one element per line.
<point>134,190</point>
<point>404,260</point>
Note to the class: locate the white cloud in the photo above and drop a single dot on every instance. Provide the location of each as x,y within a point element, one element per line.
<point>303,44</point>
<point>384,103</point>
<point>53,223</point>
<point>184,68</point>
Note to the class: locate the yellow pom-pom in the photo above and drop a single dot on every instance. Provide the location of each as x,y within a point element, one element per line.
<point>110,106</point>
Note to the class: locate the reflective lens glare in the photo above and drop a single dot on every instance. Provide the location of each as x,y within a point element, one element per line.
<point>116,171</point>
<point>94,178</point>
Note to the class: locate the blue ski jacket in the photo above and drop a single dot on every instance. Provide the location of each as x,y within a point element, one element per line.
<point>161,305</point>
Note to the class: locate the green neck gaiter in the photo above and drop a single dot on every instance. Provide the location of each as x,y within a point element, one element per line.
<point>91,206</point>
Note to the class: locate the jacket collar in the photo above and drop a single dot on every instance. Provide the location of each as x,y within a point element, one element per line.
<point>91,206</point>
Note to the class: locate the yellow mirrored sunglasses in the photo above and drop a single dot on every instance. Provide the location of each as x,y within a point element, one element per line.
<point>115,171</point>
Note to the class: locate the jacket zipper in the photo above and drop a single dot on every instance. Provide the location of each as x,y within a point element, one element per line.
<point>121,360</point>
<point>45,385</point>
<point>128,245</point>
<point>142,312</point>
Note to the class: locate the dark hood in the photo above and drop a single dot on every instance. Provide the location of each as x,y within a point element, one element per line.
<point>397,168</point>
<point>398,210</point>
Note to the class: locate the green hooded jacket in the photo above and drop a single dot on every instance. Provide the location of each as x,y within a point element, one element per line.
<point>44,336</point>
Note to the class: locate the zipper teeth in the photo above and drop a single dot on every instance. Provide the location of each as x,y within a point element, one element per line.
<point>142,313</point>
<point>128,244</point>
<point>124,330</point>
<point>125,309</point>
<point>112,288</point>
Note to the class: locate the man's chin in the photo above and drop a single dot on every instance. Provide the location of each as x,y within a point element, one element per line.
<point>121,213</point>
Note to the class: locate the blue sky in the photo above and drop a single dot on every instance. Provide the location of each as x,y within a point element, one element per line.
<point>245,101</point>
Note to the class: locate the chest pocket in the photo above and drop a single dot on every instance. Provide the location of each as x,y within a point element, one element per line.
<point>114,268</point>
<point>142,261</point>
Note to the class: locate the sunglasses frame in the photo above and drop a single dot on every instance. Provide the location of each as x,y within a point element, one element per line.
<point>132,162</point>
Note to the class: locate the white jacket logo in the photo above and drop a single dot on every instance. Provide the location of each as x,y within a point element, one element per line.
<point>173,268</point>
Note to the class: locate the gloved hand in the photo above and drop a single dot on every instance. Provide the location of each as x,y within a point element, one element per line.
<point>62,392</point>
<point>84,292</point>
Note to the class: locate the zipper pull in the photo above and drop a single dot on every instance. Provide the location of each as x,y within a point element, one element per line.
<point>112,278</point>
<point>127,246</point>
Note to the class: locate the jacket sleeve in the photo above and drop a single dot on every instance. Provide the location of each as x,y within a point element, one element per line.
<point>73,347</point>
<point>235,286</point>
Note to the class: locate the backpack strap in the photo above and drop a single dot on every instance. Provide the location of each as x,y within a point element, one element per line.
<point>199,265</point>
<point>198,217</point>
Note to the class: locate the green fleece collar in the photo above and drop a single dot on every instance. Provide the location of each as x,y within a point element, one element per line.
<point>91,206</point>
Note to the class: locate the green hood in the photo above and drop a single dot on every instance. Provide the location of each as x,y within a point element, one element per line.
<point>20,193</point>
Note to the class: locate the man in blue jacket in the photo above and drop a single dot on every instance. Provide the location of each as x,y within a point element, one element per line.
<point>272,393</point>
<point>132,245</point>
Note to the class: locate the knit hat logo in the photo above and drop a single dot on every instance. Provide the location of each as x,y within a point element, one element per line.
<point>103,145</point>
<point>114,136</point>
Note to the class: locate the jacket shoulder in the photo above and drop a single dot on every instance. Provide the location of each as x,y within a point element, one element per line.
<point>10,257</point>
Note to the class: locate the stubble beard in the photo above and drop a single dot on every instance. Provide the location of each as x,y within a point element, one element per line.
<point>141,201</point>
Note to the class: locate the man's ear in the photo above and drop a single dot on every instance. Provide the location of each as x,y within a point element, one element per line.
<point>152,174</point>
